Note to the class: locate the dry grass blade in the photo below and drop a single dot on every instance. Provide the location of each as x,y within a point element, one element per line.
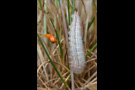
<point>65,25</point>
<point>42,59</point>
<point>52,62</point>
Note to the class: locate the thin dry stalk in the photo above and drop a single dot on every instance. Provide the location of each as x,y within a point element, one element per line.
<point>65,26</point>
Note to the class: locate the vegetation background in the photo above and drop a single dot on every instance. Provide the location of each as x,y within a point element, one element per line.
<point>53,69</point>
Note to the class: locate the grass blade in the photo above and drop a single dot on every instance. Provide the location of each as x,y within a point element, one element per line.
<point>64,22</point>
<point>45,23</point>
<point>40,4</point>
<point>57,38</point>
<point>68,13</point>
<point>41,58</point>
<point>51,61</point>
<point>91,50</point>
<point>66,80</point>
<point>91,23</point>
<point>73,8</point>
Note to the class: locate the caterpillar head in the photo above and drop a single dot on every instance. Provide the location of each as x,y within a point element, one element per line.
<point>75,14</point>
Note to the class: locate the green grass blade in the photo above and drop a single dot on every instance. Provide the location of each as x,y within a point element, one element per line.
<point>40,4</point>
<point>57,38</point>
<point>68,13</point>
<point>59,3</point>
<point>68,76</point>
<point>91,50</point>
<point>73,8</point>
<point>51,61</point>
<point>60,38</point>
<point>39,22</point>
<point>91,23</point>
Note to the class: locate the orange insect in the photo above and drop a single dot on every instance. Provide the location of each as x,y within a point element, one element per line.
<point>50,37</point>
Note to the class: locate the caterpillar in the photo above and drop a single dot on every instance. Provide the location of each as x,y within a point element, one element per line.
<point>76,50</point>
